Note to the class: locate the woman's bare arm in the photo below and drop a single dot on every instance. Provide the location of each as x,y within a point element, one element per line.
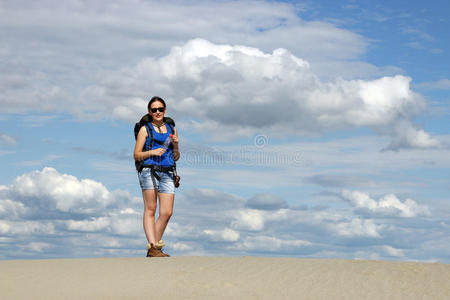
<point>140,141</point>
<point>176,150</point>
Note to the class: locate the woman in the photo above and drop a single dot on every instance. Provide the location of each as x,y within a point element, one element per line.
<point>157,178</point>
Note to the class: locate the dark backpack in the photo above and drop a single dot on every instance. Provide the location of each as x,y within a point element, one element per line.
<point>147,119</point>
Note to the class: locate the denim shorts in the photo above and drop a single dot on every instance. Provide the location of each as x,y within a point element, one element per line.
<point>150,182</point>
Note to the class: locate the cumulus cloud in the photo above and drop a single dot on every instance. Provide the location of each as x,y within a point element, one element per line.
<point>12,209</point>
<point>249,219</point>
<point>388,205</point>
<point>56,192</point>
<point>26,228</point>
<point>357,228</point>
<point>93,225</point>
<point>45,209</point>
<point>227,234</point>
<point>48,189</point>
<point>273,91</point>
<point>234,64</point>
<point>238,228</point>
<point>260,23</point>
<point>393,251</point>
<point>405,135</point>
<point>37,247</point>
<point>36,54</point>
<point>181,247</point>
<point>205,221</point>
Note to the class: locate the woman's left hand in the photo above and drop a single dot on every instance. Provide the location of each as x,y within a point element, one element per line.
<point>174,138</point>
<point>176,152</point>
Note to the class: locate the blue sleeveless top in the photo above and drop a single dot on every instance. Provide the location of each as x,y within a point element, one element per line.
<point>166,159</point>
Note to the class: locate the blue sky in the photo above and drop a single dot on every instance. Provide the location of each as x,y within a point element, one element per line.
<point>307,129</point>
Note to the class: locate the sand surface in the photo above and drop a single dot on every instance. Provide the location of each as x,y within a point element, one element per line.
<point>222,278</point>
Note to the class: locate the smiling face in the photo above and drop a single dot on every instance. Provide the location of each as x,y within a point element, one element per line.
<point>157,111</point>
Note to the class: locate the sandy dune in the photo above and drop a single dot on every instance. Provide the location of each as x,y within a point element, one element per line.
<point>222,278</point>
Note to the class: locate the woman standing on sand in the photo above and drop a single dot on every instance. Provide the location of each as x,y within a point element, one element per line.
<point>158,175</point>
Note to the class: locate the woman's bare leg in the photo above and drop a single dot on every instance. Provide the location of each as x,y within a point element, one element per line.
<point>149,215</point>
<point>165,212</point>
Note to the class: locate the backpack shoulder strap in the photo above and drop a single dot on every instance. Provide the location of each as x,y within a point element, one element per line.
<point>150,135</point>
<point>169,121</point>
<point>171,128</point>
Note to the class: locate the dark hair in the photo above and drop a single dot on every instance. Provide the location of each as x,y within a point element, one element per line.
<point>154,99</point>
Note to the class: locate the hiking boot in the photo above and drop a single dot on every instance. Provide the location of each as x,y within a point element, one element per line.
<point>164,254</point>
<point>152,251</point>
<point>159,245</point>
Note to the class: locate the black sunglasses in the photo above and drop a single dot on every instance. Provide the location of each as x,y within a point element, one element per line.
<point>160,109</point>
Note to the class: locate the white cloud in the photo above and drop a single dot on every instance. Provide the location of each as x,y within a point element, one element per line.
<point>393,251</point>
<point>202,223</point>
<point>38,53</point>
<point>12,209</point>
<point>366,255</point>
<point>227,234</point>
<point>129,211</point>
<point>404,135</point>
<point>388,205</point>
<point>66,203</point>
<point>37,247</point>
<point>249,219</point>
<point>4,227</point>
<point>206,77</point>
<point>181,247</point>
<point>127,225</point>
<point>48,189</point>
<point>44,192</point>
<point>270,244</point>
<point>94,225</point>
<point>26,228</point>
<point>260,23</point>
<point>176,230</point>
<point>357,228</point>
<point>207,81</point>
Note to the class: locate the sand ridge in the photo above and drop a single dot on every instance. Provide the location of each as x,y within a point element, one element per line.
<point>222,278</point>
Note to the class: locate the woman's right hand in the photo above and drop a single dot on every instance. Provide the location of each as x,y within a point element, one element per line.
<point>157,152</point>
